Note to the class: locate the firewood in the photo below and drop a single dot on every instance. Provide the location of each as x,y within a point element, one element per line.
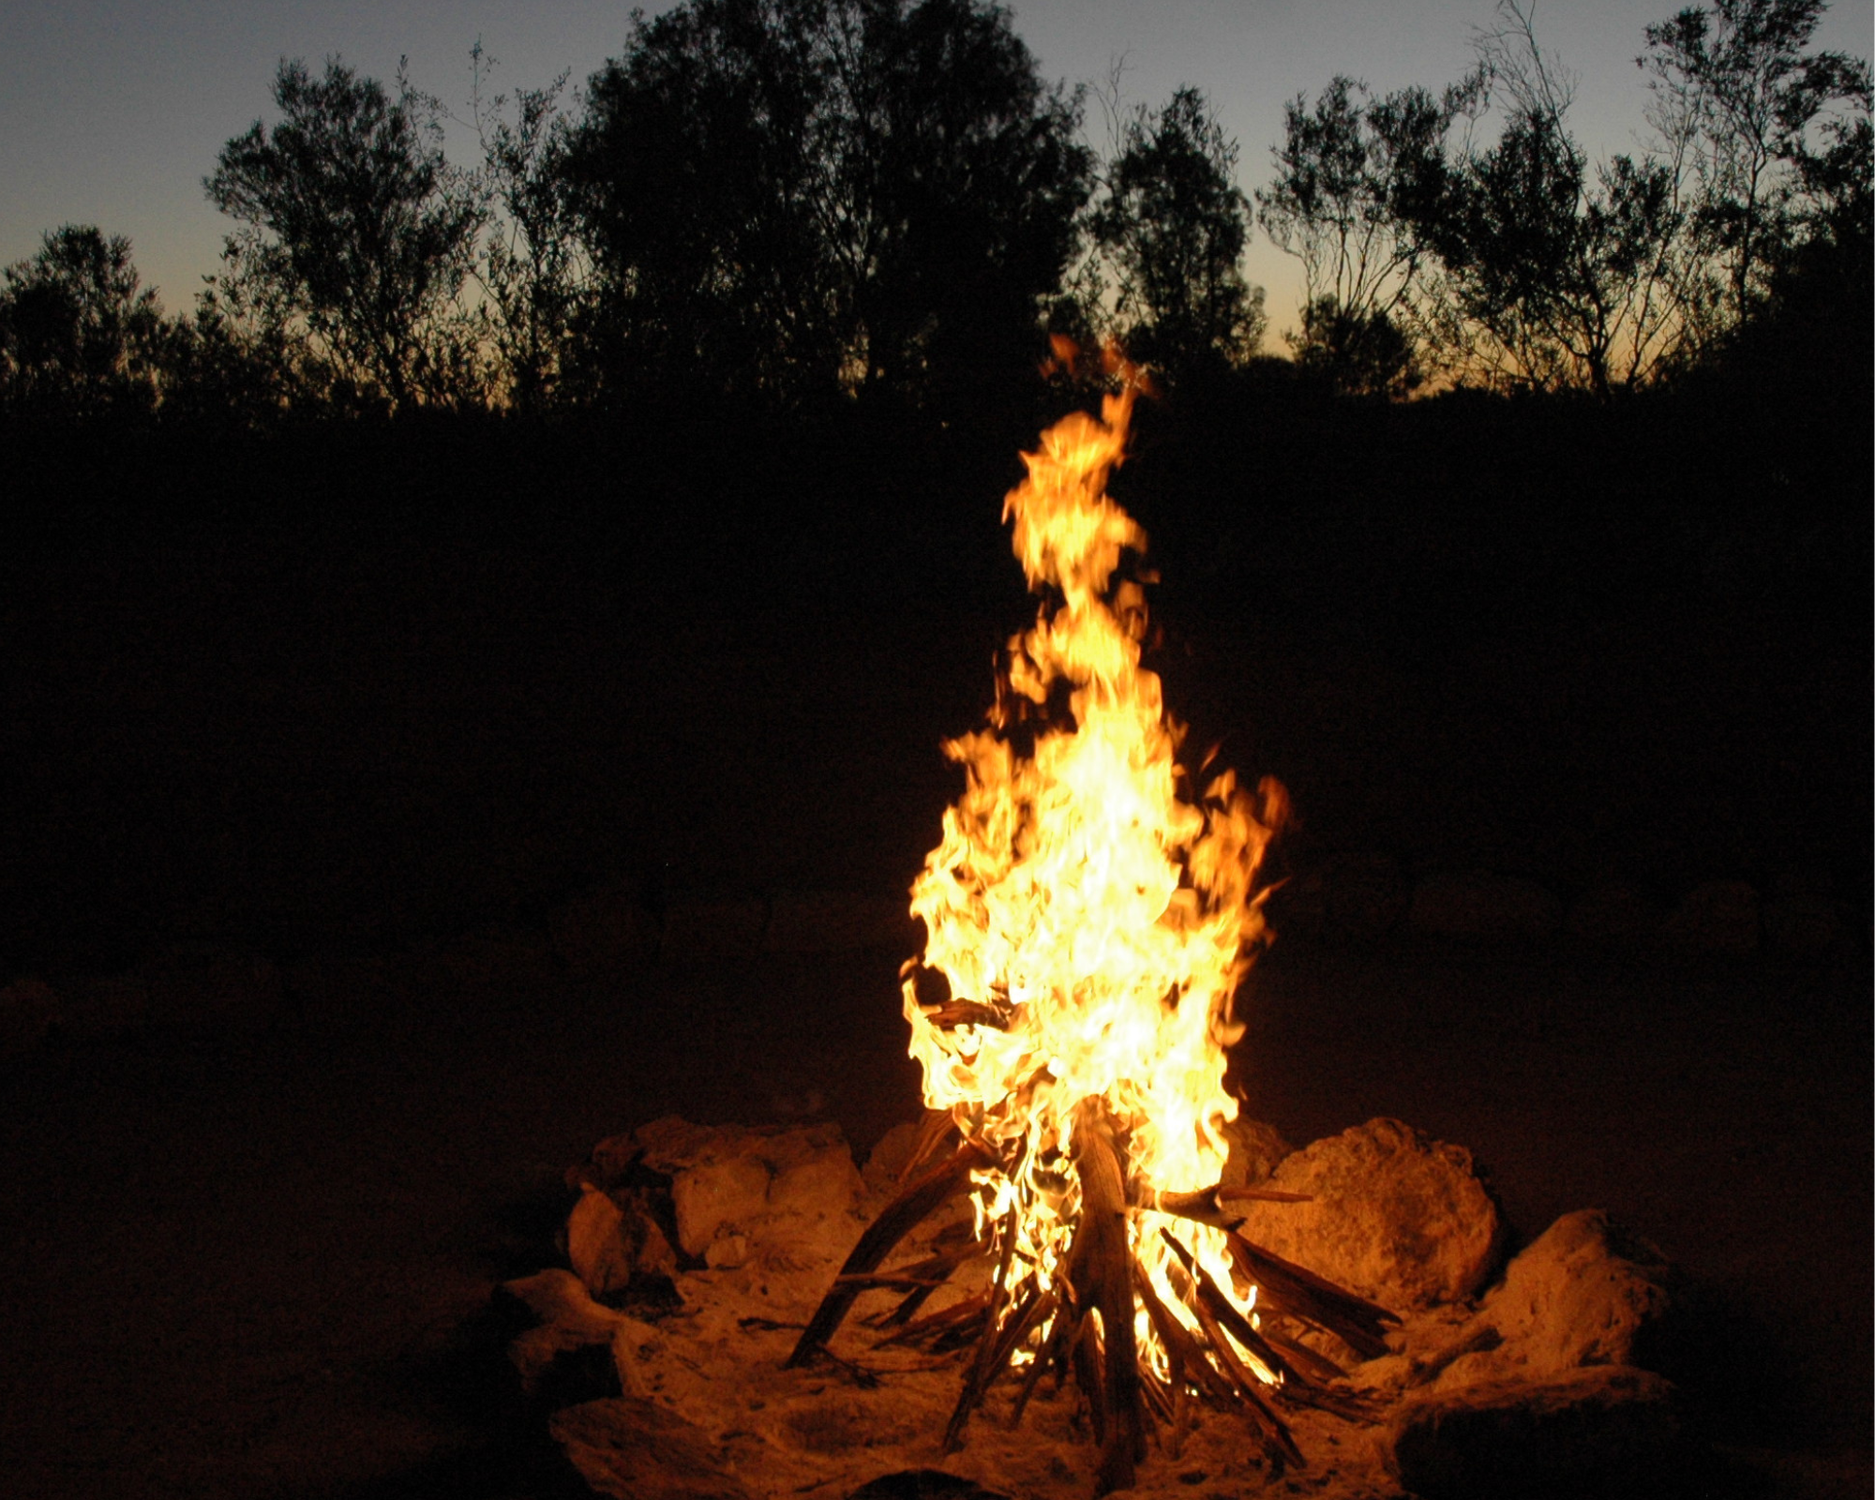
<point>1313,1362</point>
<point>1060,1330</point>
<point>978,1376</point>
<point>967,1013</point>
<point>1189,1363</point>
<point>1279,1445</point>
<point>1297,1290</point>
<point>1212,1205</point>
<point>899,1217</point>
<point>1102,1280</point>
<point>938,1322</point>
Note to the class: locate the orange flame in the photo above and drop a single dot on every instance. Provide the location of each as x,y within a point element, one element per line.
<point>1100,919</point>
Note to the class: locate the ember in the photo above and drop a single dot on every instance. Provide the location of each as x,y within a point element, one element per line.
<point>1090,915</point>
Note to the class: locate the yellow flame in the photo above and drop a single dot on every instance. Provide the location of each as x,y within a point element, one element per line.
<point>1104,917</point>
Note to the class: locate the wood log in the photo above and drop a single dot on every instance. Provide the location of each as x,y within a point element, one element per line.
<point>940,1321</point>
<point>978,1376</point>
<point>1063,1327</point>
<point>897,1219</point>
<point>1279,1445</point>
<point>1182,1348</point>
<point>1296,1289</point>
<point>1102,1280</point>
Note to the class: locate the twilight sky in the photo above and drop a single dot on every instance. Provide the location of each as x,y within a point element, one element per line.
<point>112,111</point>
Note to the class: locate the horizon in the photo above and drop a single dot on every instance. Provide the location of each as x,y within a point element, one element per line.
<point>117,108</point>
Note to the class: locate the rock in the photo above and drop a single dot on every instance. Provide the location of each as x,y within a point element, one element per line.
<point>1395,1216</point>
<point>924,1484</point>
<point>1256,1150</point>
<point>28,1009</point>
<point>1583,1293</point>
<point>886,1162</point>
<point>1366,896</point>
<point>713,929</point>
<point>1613,912</point>
<point>104,1006</point>
<point>206,988</point>
<point>605,932</point>
<point>612,1240</point>
<point>838,922</point>
<point>1484,908</point>
<point>1601,1431</point>
<point>782,1187</point>
<point>571,1322</point>
<point>634,1449</point>
<point>1719,917</point>
<point>1804,926</point>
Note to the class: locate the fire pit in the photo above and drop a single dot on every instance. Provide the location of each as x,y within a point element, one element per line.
<point>1065,1282</point>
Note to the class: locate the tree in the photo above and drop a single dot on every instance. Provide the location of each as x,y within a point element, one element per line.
<point>531,264</point>
<point>1173,225</point>
<point>356,235</point>
<point>1549,274</point>
<point>1771,140</point>
<point>1352,177</point>
<point>790,198</point>
<point>78,334</point>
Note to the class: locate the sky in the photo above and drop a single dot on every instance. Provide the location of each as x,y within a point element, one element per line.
<point>112,111</point>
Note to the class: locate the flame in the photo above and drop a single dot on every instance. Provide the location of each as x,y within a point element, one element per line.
<point>1091,916</point>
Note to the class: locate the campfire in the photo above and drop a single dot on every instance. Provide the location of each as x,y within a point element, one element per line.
<point>1084,1270</point>
<point>1089,914</point>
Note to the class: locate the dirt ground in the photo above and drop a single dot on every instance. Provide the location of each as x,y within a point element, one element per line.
<point>256,1265</point>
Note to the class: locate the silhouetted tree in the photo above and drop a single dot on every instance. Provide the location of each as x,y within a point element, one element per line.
<point>1173,225</point>
<point>1550,273</point>
<point>786,198</point>
<point>78,334</point>
<point>531,263</point>
<point>1770,141</point>
<point>356,236</point>
<point>1353,176</point>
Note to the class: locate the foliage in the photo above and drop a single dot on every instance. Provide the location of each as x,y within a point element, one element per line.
<point>1173,224</point>
<point>355,240</point>
<point>786,198</point>
<point>78,334</point>
<point>1770,142</point>
<point>531,266</point>
<point>1549,273</point>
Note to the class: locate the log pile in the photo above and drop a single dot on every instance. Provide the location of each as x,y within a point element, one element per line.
<point>1080,1324</point>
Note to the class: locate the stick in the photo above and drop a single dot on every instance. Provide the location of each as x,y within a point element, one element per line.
<point>1296,1289</point>
<point>979,1373</point>
<point>918,1199</point>
<point>1102,1280</point>
<point>934,1323</point>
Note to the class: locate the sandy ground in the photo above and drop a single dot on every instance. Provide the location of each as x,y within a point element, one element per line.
<point>255,1266</point>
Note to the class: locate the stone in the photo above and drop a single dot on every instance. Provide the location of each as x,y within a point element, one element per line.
<point>779,1186</point>
<point>713,929</point>
<point>1366,896</point>
<point>28,1009</point>
<point>612,1240</point>
<point>886,1162</point>
<point>206,988</point>
<point>606,932</point>
<point>634,1449</point>
<point>1804,925</point>
<point>1256,1150</point>
<point>1484,908</point>
<point>1604,1430</point>
<point>1613,912</point>
<point>1719,918</point>
<point>103,1006</point>
<point>1395,1216</point>
<point>838,922</point>
<point>1584,1292</point>
<point>570,1322</point>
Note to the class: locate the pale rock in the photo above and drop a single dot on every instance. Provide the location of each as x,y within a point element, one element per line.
<point>192,988</point>
<point>1484,908</point>
<point>837,922</point>
<point>1613,912</point>
<point>1366,896</point>
<point>604,932</point>
<point>28,1008</point>
<point>610,1241</point>
<point>1720,917</point>
<point>1603,1430</point>
<point>633,1449</point>
<point>1804,925</point>
<point>727,1252</point>
<point>1583,1293</point>
<point>1395,1216</point>
<point>713,929</point>
<point>570,1320</point>
<point>1256,1150</point>
<point>718,1192</point>
<point>887,1161</point>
